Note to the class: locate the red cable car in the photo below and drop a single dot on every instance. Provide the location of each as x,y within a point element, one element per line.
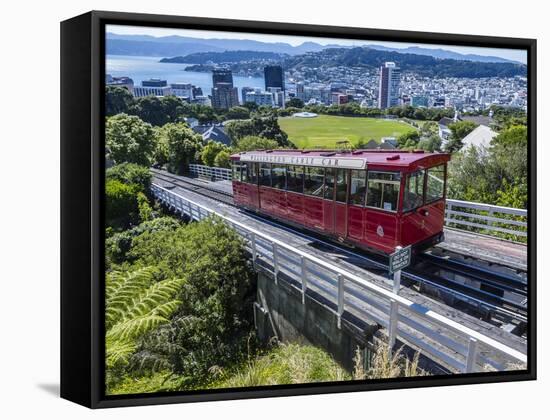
<point>371,199</point>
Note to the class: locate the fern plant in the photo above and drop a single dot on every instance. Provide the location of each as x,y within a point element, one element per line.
<point>135,305</point>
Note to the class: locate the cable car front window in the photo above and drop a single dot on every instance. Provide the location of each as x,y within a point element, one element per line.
<point>383,190</point>
<point>435,184</point>
<point>414,191</point>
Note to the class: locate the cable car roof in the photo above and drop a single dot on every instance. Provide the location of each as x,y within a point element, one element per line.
<point>358,159</point>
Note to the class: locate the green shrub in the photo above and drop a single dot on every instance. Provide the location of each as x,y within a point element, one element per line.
<point>131,173</point>
<point>121,208</point>
<point>118,245</point>
<point>214,322</point>
<point>134,305</point>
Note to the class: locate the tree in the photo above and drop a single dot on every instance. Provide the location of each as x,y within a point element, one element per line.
<point>459,130</point>
<point>159,111</point>
<point>118,245</point>
<point>129,139</point>
<point>262,126</point>
<point>408,140</point>
<point>514,135</point>
<point>118,100</point>
<point>210,151</point>
<point>494,175</point>
<point>130,173</point>
<point>183,146</point>
<point>429,128</point>
<point>237,113</point>
<point>255,143</point>
<point>430,144</point>
<point>223,159</point>
<point>295,103</point>
<point>121,209</point>
<point>214,320</point>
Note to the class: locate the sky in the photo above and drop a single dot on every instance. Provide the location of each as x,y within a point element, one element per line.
<point>511,54</point>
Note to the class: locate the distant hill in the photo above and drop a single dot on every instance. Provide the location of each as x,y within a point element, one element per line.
<point>225,57</point>
<point>153,48</point>
<point>421,64</point>
<point>180,46</point>
<point>174,45</point>
<point>442,53</point>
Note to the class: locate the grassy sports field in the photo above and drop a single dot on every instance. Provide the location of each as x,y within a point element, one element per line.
<point>325,130</point>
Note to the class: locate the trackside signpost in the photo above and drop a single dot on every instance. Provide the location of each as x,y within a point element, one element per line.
<point>399,260</point>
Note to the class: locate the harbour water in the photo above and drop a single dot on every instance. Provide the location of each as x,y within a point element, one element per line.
<point>143,68</point>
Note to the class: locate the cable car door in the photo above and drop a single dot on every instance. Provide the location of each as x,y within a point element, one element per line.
<point>340,203</point>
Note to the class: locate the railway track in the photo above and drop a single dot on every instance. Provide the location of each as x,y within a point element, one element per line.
<point>497,296</point>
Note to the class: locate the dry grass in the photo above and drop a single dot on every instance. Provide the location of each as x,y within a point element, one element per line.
<point>384,366</point>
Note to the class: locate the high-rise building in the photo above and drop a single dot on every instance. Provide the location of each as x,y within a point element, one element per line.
<point>388,92</point>
<point>224,95</point>
<point>274,77</point>
<point>300,91</point>
<point>222,75</point>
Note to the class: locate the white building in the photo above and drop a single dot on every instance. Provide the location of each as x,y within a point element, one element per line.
<point>141,91</point>
<point>182,90</point>
<point>259,97</point>
<point>481,136</point>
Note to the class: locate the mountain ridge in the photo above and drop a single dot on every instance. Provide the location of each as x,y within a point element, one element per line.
<point>121,44</point>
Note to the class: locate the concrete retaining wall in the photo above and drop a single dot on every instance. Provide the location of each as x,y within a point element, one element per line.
<point>280,313</point>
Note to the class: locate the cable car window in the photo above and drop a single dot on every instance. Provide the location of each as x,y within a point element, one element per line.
<point>236,171</point>
<point>383,190</point>
<point>414,191</point>
<point>265,174</point>
<point>435,184</point>
<point>245,171</point>
<point>295,179</point>
<point>341,185</point>
<point>358,187</point>
<point>252,173</point>
<point>330,174</point>
<point>278,176</point>
<point>313,181</point>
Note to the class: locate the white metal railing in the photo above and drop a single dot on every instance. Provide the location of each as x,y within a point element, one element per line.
<point>458,214</point>
<point>486,217</point>
<point>210,172</point>
<point>437,336</point>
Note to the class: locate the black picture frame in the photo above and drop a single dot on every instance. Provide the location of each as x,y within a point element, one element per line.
<point>82,190</point>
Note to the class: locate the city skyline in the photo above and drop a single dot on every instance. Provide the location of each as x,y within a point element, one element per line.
<point>505,53</point>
